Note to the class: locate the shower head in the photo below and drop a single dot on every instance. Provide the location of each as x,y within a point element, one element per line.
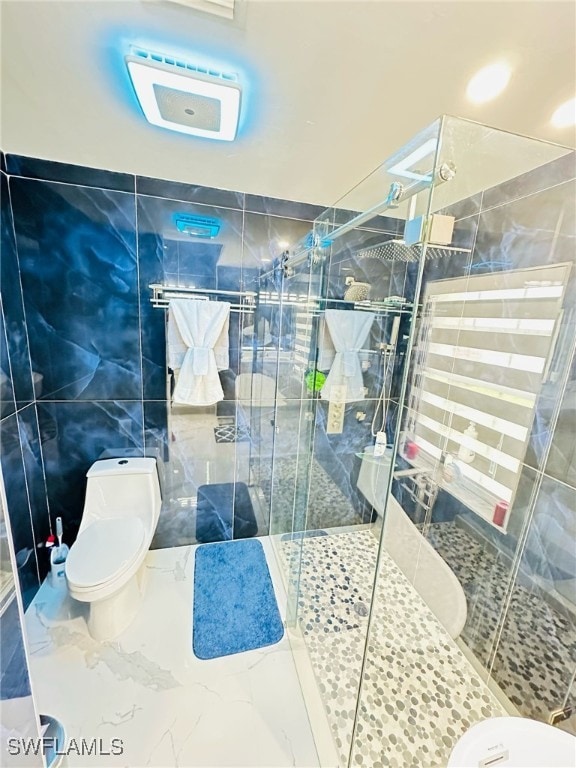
<point>397,250</point>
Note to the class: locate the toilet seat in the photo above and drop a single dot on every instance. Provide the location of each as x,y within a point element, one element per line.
<point>103,551</point>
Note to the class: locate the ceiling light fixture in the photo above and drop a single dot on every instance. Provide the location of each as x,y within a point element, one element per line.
<point>184,97</point>
<point>488,83</point>
<point>565,115</point>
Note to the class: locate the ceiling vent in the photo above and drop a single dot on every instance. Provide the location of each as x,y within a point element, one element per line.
<point>222,8</point>
<point>183,97</point>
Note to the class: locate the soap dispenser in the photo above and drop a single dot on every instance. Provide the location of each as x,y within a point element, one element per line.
<point>465,452</point>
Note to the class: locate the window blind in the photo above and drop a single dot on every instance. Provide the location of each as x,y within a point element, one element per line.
<point>482,356</point>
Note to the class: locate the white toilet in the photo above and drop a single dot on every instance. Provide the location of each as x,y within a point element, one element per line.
<point>104,565</point>
<point>514,742</point>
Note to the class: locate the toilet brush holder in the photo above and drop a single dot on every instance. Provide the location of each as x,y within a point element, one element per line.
<point>58,567</point>
<point>58,557</point>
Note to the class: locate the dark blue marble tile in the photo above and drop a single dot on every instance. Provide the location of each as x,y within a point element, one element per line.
<point>7,403</point>
<point>156,441</point>
<point>191,193</point>
<point>153,320</point>
<point>33,466</point>
<point>2,162</point>
<point>443,265</point>
<point>266,237</point>
<point>336,453</point>
<point>469,206</point>
<point>556,417</point>
<point>74,435</point>
<point>170,258</point>
<point>558,171</point>
<point>224,512</point>
<point>14,474</point>
<point>14,678</point>
<point>549,551</point>
<point>48,170</point>
<point>16,333</point>
<point>235,278</point>
<point>77,251</point>
<point>537,634</point>
<point>529,232</point>
<point>289,209</point>
<point>197,263</point>
<point>165,256</point>
<point>189,263</point>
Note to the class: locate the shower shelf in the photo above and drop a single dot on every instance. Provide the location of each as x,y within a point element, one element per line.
<point>368,456</point>
<point>370,306</point>
<point>470,494</point>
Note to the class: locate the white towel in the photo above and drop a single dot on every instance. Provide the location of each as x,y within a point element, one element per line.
<point>326,348</point>
<point>177,346</point>
<point>196,331</point>
<point>349,330</point>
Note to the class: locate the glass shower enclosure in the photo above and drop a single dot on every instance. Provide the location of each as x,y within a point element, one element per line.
<point>422,477</point>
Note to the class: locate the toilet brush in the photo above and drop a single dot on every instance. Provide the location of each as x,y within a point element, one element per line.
<point>58,557</point>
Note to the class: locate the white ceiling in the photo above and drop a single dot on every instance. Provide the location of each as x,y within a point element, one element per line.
<point>332,87</point>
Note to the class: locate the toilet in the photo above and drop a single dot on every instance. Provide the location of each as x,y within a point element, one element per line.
<point>515,742</point>
<point>118,522</point>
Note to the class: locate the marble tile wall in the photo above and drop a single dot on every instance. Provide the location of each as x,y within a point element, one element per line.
<point>20,451</point>
<point>527,222</point>
<point>337,454</point>
<point>83,350</point>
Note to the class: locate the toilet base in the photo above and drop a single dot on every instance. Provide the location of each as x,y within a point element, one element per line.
<point>110,617</point>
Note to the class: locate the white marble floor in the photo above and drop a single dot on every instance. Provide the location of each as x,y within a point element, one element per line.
<point>148,689</point>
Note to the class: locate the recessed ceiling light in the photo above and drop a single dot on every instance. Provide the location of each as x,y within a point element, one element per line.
<point>488,83</point>
<point>283,244</point>
<point>565,115</point>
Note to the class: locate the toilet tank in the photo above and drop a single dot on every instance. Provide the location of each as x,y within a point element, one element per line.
<point>122,487</point>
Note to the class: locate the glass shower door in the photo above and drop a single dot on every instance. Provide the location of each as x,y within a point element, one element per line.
<point>369,280</point>
<point>466,631</point>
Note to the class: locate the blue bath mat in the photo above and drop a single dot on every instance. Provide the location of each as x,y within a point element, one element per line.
<point>235,606</point>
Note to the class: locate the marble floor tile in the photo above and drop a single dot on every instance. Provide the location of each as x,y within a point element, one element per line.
<point>148,689</point>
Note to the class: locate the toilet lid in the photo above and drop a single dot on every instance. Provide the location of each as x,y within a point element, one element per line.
<point>514,742</point>
<point>104,549</point>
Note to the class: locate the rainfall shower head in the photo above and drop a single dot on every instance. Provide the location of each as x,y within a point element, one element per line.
<point>397,250</point>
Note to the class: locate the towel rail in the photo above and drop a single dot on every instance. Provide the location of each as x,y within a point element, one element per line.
<point>161,295</point>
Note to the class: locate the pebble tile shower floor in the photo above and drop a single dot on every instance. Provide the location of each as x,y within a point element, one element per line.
<point>537,649</point>
<point>420,693</point>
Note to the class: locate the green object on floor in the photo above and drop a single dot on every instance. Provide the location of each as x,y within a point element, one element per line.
<point>314,380</point>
